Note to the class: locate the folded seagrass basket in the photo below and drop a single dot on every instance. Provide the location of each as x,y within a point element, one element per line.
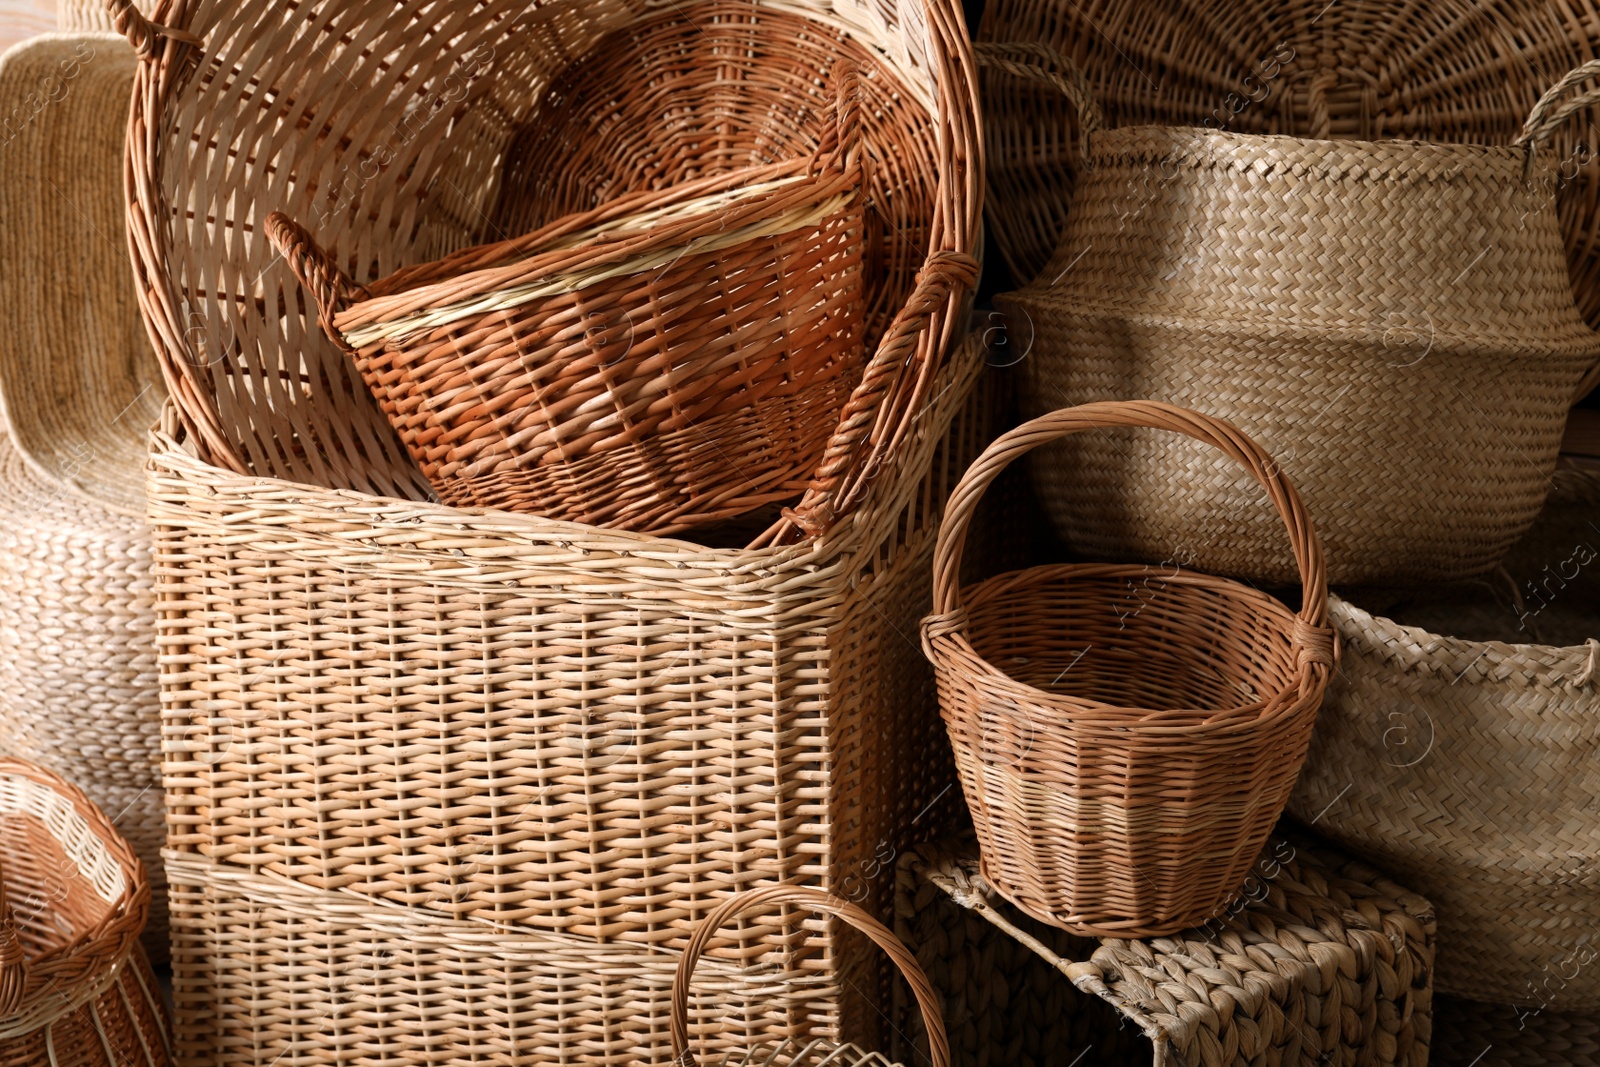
<point>1126,735</point>
<point>75,987</point>
<point>1458,753</point>
<point>78,390</point>
<point>655,364</point>
<point>1349,304</point>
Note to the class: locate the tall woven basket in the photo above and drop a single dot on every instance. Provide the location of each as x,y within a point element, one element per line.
<point>79,390</point>
<point>1349,304</point>
<point>1459,754</point>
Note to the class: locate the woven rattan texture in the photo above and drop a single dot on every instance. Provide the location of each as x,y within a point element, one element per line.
<point>1322,961</point>
<point>1472,1034</point>
<point>1300,289</point>
<point>80,993</point>
<point>80,388</point>
<point>484,768</point>
<point>1451,70</point>
<point>383,129</point>
<point>1466,767</point>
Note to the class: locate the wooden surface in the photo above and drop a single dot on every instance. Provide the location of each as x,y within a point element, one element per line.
<point>21,19</point>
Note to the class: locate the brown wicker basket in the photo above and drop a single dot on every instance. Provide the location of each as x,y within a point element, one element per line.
<point>75,988</point>
<point>408,153</point>
<point>1457,750</point>
<point>662,362</point>
<point>1348,304</point>
<point>1125,735</point>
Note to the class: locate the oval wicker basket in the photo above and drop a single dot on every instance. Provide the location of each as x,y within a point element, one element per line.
<point>75,987</point>
<point>396,129</point>
<point>1466,764</point>
<point>1350,305</point>
<point>1126,736</point>
<point>662,362</point>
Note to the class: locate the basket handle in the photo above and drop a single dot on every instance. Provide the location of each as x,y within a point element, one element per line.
<point>846,464</point>
<point>142,32</point>
<point>316,269</point>
<point>13,962</point>
<point>826,904</point>
<point>843,135</point>
<point>1313,639</point>
<point>1557,105</point>
<point>1040,63</point>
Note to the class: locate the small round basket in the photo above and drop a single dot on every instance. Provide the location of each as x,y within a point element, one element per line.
<point>1126,735</point>
<point>75,987</point>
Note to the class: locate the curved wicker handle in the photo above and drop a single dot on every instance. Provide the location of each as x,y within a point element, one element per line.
<point>141,32</point>
<point>839,481</point>
<point>1557,105</point>
<point>13,962</point>
<point>1041,63</point>
<point>843,135</point>
<point>816,900</point>
<point>316,269</point>
<point>1313,638</point>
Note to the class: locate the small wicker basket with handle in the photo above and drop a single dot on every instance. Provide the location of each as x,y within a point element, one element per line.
<point>1126,735</point>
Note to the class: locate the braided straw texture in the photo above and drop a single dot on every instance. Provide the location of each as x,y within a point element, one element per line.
<point>488,771</point>
<point>1470,1034</point>
<point>80,992</point>
<point>1466,767</point>
<point>396,133</point>
<point>1391,321</point>
<point>1126,736</point>
<point>78,682</point>
<point>1322,961</point>
<point>1449,70</point>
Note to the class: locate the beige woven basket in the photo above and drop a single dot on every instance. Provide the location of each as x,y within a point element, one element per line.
<point>1465,765</point>
<point>489,770</point>
<point>1351,305</point>
<point>79,390</point>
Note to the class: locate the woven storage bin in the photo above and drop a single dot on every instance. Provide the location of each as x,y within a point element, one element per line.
<point>662,362</point>
<point>78,684</point>
<point>1125,735</point>
<point>75,987</point>
<point>403,134</point>
<point>1348,304</point>
<point>1469,1034</point>
<point>1323,961</point>
<point>489,770</point>
<point>1448,70</point>
<point>1466,765</point>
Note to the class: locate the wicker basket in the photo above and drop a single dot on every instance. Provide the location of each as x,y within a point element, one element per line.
<point>489,770</point>
<point>1469,1034</point>
<point>75,987</point>
<point>78,685</point>
<point>656,364</point>
<point>1323,960</point>
<point>1347,304</point>
<point>1125,735</point>
<point>404,157</point>
<point>1447,70</point>
<point>1466,765</point>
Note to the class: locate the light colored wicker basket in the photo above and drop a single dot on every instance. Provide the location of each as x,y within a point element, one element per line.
<point>1466,765</point>
<point>1126,735</point>
<point>75,987</point>
<point>1348,304</point>
<point>489,770</point>
<point>385,126</point>
<point>1470,1034</point>
<point>659,363</point>
<point>79,390</point>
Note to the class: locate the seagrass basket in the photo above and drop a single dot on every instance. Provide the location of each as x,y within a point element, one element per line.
<point>662,362</point>
<point>75,987</point>
<point>1457,749</point>
<point>1472,1034</point>
<point>404,134</point>
<point>1126,735</point>
<point>1349,304</point>
<point>79,390</point>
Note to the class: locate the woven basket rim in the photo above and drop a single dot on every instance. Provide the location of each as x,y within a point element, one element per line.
<point>1417,650</point>
<point>1236,150</point>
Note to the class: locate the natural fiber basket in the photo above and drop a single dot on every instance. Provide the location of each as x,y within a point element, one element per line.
<point>397,132</point>
<point>817,1053</point>
<point>1349,304</point>
<point>1125,735</point>
<point>79,390</point>
<point>1469,1034</point>
<point>75,987</point>
<point>658,363</point>
<point>489,770</point>
<point>1321,960</point>
<point>1447,70</point>
<point>1465,764</point>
